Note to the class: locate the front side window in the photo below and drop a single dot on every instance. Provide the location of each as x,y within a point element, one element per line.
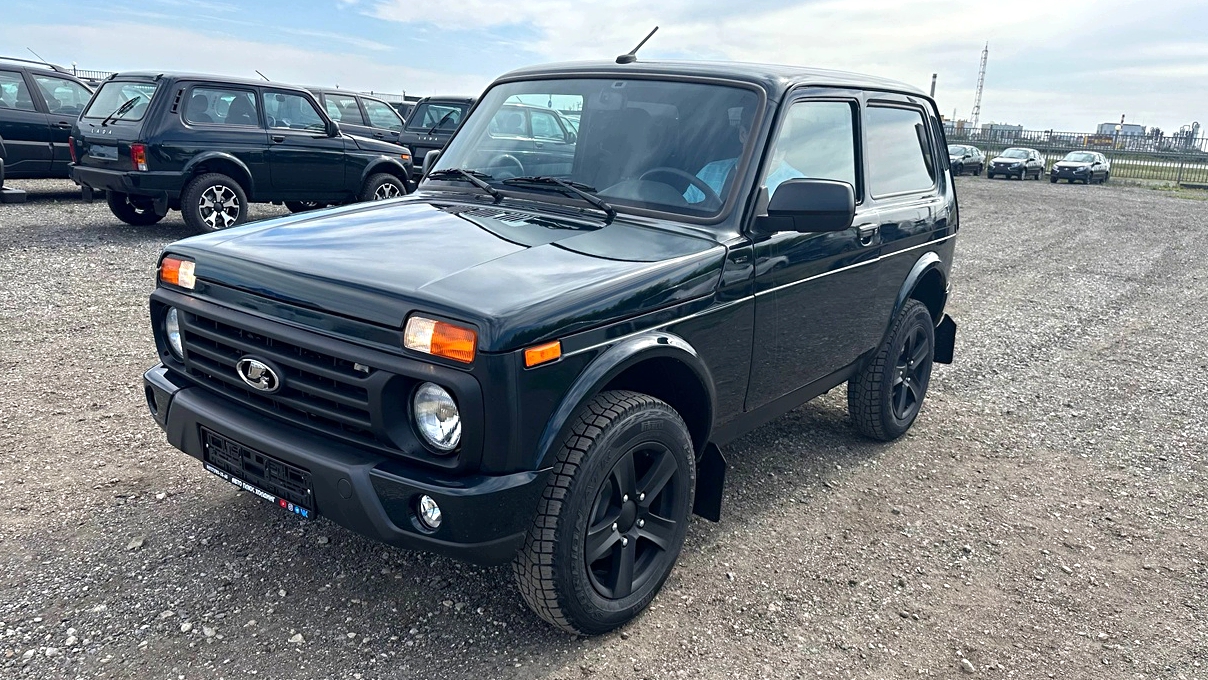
<point>898,158</point>
<point>13,92</point>
<point>124,100</point>
<point>510,121</point>
<point>221,106</point>
<point>290,111</point>
<point>343,109</point>
<point>436,117</point>
<point>64,97</point>
<point>816,140</point>
<point>642,144</point>
<point>382,116</point>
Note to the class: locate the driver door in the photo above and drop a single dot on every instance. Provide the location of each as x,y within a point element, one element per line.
<point>304,163</point>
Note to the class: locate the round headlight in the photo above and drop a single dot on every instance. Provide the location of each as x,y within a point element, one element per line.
<point>172,331</point>
<point>436,417</point>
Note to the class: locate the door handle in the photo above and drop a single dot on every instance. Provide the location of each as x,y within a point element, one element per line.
<point>378,135</point>
<point>867,233</point>
<point>63,124</point>
<point>278,138</point>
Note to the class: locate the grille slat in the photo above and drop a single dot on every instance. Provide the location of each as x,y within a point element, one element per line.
<point>317,389</point>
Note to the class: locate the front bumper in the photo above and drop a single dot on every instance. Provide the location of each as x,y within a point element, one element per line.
<point>1068,173</point>
<point>154,184</point>
<point>485,518</point>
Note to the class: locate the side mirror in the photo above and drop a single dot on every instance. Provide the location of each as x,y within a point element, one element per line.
<point>333,129</point>
<point>571,137</point>
<point>809,205</point>
<point>430,159</point>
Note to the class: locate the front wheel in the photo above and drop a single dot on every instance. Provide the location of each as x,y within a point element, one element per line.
<point>382,186</point>
<point>133,210</point>
<point>213,202</point>
<point>1106,176</point>
<point>884,398</point>
<point>959,169</point>
<point>1053,179</point>
<point>613,516</point>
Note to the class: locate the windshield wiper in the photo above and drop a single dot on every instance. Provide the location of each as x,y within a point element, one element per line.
<point>121,110</point>
<point>440,122</point>
<point>579,189</point>
<point>472,176</point>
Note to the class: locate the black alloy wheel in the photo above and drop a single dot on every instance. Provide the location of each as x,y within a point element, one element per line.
<point>910,375</point>
<point>884,398</point>
<point>612,518</point>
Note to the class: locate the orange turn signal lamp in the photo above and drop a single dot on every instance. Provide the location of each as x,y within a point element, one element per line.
<point>177,272</point>
<point>440,338</point>
<point>542,354</point>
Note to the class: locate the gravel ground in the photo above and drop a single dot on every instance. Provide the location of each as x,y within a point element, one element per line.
<point>1044,518</point>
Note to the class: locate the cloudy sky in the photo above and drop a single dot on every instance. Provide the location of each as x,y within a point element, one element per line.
<point>1065,65</point>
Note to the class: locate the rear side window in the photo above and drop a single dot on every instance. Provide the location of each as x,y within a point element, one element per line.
<point>132,98</point>
<point>222,106</point>
<point>64,97</point>
<point>899,154</point>
<point>343,109</point>
<point>13,92</point>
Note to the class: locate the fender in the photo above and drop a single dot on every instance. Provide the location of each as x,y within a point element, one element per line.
<point>223,156</point>
<point>607,366</point>
<point>927,262</point>
<point>374,166</point>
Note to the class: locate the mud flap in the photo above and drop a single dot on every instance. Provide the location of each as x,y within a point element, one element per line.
<point>710,480</point>
<point>945,340</point>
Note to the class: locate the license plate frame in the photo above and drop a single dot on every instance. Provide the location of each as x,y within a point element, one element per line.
<point>283,484</point>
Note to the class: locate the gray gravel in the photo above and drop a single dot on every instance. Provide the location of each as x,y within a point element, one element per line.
<point>1045,518</point>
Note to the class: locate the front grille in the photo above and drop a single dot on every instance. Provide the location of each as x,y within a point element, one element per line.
<point>319,390</point>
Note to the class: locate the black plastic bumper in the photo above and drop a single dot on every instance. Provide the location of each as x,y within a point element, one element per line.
<point>154,184</point>
<point>485,518</point>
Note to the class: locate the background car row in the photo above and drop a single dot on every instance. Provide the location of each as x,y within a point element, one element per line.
<point>1024,163</point>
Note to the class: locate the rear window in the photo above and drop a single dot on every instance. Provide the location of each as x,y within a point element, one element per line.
<point>133,97</point>
<point>436,116</point>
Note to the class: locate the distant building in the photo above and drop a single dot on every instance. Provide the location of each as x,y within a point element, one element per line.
<point>1001,131</point>
<point>1127,129</point>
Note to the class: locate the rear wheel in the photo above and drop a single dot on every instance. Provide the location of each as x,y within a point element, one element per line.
<point>213,202</point>
<point>134,210</point>
<point>884,398</point>
<point>382,186</point>
<point>613,516</point>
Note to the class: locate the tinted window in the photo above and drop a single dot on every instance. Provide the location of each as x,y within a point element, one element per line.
<point>64,97</point>
<point>292,111</point>
<point>221,106</point>
<point>117,94</point>
<point>897,151</point>
<point>13,92</point>
<point>816,140</point>
<point>509,122</point>
<point>443,117</point>
<point>382,116</point>
<point>343,109</point>
<point>545,126</point>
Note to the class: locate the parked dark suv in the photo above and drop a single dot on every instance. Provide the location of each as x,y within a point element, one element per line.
<point>38,104</point>
<point>541,368</point>
<point>431,125</point>
<point>360,114</point>
<point>208,145</point>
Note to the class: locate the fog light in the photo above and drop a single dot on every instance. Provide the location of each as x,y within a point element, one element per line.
<point>428,512</point>
<point>172,331</point>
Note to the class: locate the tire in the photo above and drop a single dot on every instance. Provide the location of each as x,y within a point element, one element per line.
<point>382,186</point>
<point>585,491</point>
<point>989,175</point>
<point>1106,176</point>
<point>302,206</point>
<point>213,202</point>
<point>131,211</point>
<point>884,409</point>
<point>959,169</point>
<point>1053,180</point>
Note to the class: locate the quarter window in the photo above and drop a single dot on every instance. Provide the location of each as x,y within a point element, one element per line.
<point>291,112</point>
<point>816,140</point>
<point>898,151</point>
<point>382,116</point>
<point>343,109</point>
<point>221,106</point>
<point>13,92</point>
<point>65,97</point>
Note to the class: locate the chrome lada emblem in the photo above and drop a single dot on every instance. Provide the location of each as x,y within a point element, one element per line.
<point>258,375</point>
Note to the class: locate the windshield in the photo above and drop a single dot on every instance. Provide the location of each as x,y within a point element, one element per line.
<point>1080,157</point>
<point>442,116</point>
<point>957,150</point>
<point>1015,153</point>
<point>649,144</point>
<point>115,93</point>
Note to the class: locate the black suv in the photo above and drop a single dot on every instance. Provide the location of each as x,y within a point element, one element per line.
<point>431,124</point>
<point>541,368</point>
<point>209,145</point>
<point>360,114</point>
<point>38,104</point>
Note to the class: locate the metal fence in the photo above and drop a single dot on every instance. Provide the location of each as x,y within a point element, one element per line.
<point>1180,157</point>
<point>90,75</point>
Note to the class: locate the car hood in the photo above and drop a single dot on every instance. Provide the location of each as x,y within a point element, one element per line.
<point>367,144</point>
<point>1004,159</point>
<point>519,275</point>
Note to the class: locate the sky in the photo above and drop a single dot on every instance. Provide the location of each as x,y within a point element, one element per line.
<point>1066,65</point>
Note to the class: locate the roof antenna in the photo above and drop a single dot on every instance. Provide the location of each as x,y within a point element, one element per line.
<point>261,74</point>
<point>31,51</point>
<point>632,55</point>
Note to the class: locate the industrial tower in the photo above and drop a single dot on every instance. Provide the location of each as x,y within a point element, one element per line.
<point>981,80</point>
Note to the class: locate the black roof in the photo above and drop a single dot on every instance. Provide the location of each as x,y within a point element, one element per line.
<point>774,78</point>
<point>207,77</point>
<point>454,99</point>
